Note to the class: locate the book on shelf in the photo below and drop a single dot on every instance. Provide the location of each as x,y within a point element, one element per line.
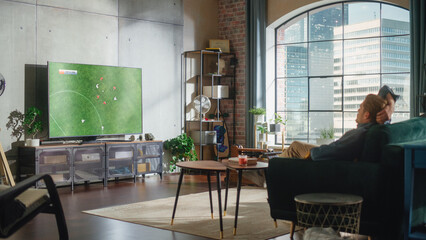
<point>214,49</point>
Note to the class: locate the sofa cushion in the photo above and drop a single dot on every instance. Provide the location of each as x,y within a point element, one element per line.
<point>380,135</point>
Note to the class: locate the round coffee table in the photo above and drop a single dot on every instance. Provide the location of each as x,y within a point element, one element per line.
<point>339,211</point>
<point>235,166</point>
<point>207,166</point>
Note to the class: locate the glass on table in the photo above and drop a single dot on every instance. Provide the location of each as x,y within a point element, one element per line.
<point>242,160</point>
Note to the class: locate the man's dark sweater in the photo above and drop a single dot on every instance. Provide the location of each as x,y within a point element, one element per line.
<point>348,147</point>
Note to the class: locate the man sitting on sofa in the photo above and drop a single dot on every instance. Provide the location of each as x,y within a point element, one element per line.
<point>350,145</point>
<point>302,150</point>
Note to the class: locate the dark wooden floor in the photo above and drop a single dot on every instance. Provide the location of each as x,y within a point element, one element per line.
<point>92,196</point>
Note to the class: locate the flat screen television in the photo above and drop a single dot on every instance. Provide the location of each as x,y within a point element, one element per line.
<point>88,101</point>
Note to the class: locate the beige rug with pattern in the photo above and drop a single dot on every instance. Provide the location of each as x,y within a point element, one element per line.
<point>193,215</point>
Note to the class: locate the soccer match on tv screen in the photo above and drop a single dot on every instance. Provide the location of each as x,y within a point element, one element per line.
<point>93,100</point>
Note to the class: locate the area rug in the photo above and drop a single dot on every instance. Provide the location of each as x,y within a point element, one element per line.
<point>193,215</point>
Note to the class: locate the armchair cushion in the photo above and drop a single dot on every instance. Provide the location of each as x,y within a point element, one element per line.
<point>33,197</point>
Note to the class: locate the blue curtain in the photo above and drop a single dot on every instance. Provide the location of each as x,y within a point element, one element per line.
<point>256,87</point>
<point>418,53</point>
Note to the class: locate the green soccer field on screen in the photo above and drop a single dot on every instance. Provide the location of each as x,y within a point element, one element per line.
<point>93,100</point>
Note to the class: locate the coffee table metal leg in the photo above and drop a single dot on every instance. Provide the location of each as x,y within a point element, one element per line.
<point>240,178</point>
<point>177,195</point>
<point>210,194</point>
<point>226,192</point>
<point>220,203</point>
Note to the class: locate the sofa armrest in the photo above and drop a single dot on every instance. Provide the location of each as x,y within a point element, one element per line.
<point>290,177</point>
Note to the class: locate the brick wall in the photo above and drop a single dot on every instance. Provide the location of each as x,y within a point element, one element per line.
<point>232,23</point>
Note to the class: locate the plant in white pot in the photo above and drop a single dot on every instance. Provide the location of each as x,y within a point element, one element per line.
<point>263,130</point>
<point>326,136</point>
<point>275,127</point>
<point>32,125</point>
<point>258,113</point>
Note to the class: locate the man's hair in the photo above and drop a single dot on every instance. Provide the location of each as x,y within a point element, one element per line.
<point>374,104</point>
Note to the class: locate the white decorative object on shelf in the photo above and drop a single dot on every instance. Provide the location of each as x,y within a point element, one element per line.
<point>202,102</point>
<point>207,137</point>
<point>259,118</point>
<point>32,142</point>
<point>262,137</point>
<point>219,91</point>
<point>123,154</point>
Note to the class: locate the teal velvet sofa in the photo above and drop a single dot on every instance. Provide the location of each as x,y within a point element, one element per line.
<point>377,177</point>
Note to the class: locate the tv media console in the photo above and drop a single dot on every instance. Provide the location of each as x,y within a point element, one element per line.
<point>74,163</point>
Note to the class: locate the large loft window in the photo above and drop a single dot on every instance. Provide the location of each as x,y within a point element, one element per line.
<point>329,58</point>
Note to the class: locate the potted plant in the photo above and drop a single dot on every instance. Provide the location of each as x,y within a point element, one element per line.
<point>263,130</point>
<point>32,125</point>
<point>275,127</point>
<point>16,119</point>
<point>182,149</point>
<point>326,136</point>
<point>14,123</point>
<point>258,113</point>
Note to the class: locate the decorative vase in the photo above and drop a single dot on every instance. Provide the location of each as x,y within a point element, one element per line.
<point>262,137</point>
<point>274,128</point>
<point>258,118</point>
<point>32,142</point>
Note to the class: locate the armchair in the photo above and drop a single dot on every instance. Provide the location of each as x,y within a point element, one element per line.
<point>22,202</point>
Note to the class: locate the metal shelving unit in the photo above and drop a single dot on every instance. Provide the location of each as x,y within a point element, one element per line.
<point>198,76</point>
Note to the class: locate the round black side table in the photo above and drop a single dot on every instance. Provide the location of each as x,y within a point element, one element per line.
<point>339,211</point>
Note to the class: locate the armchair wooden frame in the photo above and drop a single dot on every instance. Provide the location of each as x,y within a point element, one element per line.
<point>238,149</point>
<point>5,169</point>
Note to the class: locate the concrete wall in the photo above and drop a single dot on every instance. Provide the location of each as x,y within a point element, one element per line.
<point>200,23</point>
<point>132,33</point>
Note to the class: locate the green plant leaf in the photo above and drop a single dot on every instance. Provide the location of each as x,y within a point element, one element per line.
<point>262,129</point>
<point>257,111</point>
<point>32,122</point>
<point>327,133</point>
<point>182,148</point>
